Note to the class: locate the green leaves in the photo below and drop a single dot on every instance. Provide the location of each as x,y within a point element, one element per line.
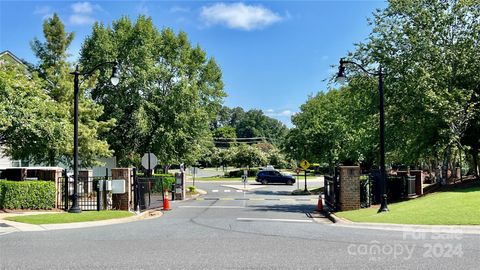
<point>27,195</point>
<point>57,82</point>
<point>168,93</point>
<point>430,50</point>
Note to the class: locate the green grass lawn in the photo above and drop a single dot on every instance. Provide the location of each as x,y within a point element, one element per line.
<point>460,206</point>
<point>70,217</point>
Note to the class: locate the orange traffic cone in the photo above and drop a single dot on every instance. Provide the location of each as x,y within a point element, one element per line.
<point>166,204</point>
<point>320,204</point>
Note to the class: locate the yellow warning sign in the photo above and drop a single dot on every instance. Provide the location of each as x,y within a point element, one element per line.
<point>304,164</point>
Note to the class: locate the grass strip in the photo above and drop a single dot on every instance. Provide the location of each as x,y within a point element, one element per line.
<point>452,207</point>
<point>70,217</point>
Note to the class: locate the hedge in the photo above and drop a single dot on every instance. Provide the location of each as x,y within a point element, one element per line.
<point>27,194</point>
<point>168,181</point>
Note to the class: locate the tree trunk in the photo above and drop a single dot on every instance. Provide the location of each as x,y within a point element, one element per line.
<point>446,161</point>
<point>475,161</point>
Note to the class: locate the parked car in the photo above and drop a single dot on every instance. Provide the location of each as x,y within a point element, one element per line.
<point>273,176</point>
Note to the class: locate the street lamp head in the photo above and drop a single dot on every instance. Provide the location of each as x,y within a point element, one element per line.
<point>341,73</point>
<point>115,78</point>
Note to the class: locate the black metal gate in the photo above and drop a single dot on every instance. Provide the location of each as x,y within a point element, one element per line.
<point>148,191</point>
<point>91,192</point>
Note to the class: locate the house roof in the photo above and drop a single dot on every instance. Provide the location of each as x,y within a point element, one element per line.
<point>7,53</point>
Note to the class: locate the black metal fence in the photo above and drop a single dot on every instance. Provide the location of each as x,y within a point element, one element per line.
<point>149,191</point>
<point>92,192</point>
<point>398,188</point>
<point>331,191</point>
<point>366,190</point>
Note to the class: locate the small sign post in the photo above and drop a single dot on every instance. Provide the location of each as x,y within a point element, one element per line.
<point>305,164</point>
<point>245,178</point>
<point>149,160</point>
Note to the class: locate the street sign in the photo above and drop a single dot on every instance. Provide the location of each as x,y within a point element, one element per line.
<point>304,164</point>
<point>149,161</point>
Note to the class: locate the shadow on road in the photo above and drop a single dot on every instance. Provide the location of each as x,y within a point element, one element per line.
<point>270,192</point>
<point>285,208</point>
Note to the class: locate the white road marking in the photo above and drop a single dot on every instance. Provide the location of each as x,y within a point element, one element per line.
<point>226,190</point>
<point>275,220</point>
<point>212,206</point>
<point>239,190</point>
<point>215,190</point>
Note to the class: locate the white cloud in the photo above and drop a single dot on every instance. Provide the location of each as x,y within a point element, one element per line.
<point>82,7</point>
<point>280,113</point>
<point>45,11</point>
<point>82,13</point>
<point>79,19</point>
<point>239,16</point>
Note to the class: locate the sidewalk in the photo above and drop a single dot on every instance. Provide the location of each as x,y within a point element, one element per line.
<point>7,226</point>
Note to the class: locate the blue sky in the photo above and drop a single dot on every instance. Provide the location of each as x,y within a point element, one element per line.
<point>273,54</point>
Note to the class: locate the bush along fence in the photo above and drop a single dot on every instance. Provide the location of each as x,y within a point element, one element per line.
<point>27,194</point>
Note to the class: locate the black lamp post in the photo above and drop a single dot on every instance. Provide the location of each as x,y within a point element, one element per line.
<point>380,73</point>
<point>114,79</point>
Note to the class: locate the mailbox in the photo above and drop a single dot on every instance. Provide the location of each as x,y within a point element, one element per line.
<point>117,186</point>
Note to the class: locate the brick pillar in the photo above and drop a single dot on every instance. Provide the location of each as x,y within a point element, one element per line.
<point>349,188</point>
<point>123,201</point>
<point>85,178</point>
<point>418,181</point>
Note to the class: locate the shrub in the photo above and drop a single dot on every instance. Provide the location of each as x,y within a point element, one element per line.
<point>191,189</point>
<point>168,181</point>
<point>27,194</point>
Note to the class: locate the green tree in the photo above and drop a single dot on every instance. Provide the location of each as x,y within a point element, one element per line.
<point>54,69</point>
<point>246,155</point>
<point>32,126</point>
<point>168,95</point>
<point>429,50</point>
<point>224,136</point>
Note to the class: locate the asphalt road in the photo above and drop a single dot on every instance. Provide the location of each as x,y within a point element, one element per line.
<point>264,228</point>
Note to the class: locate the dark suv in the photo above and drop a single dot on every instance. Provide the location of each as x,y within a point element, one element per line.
<point>272,176</point>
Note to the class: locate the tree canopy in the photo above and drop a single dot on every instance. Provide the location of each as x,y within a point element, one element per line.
<point>168,94</point>
<point>429,50</point>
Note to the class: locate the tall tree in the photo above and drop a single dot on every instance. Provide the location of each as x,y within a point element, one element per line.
<point>32,126</point>
<point>429,49</point>
<point>54,69</point>
<point>168,94</point>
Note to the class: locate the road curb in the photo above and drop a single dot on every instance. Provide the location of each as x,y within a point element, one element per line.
<point>25,227</point>
<point>463,229</point>
<point>193,197</point>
